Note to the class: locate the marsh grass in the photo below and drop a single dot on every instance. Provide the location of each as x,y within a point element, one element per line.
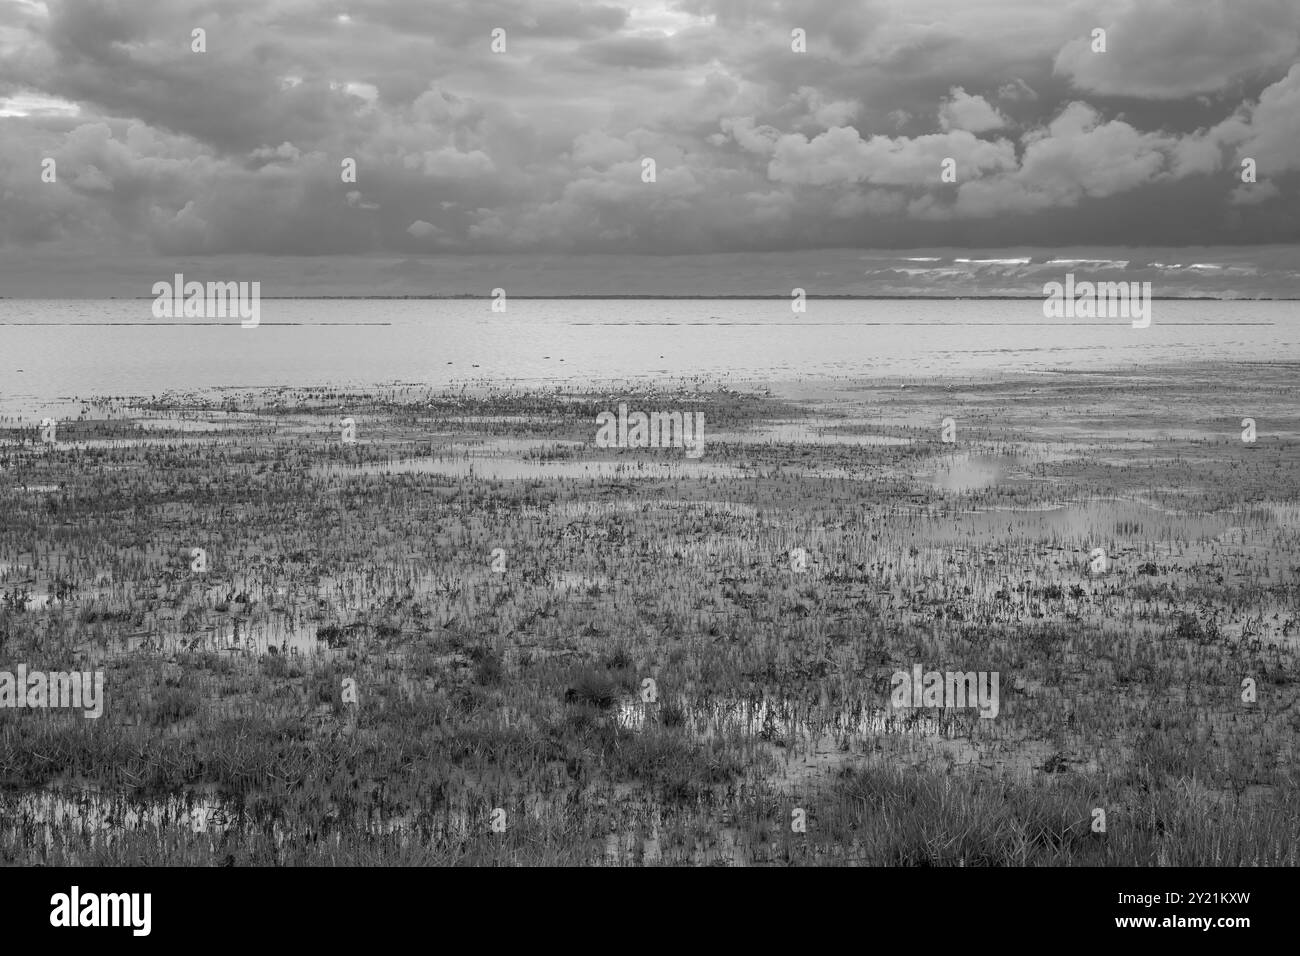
<point>519,690</point>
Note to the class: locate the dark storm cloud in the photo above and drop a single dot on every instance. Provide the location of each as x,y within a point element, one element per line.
<point>1167,49</point>
<point>541,148</point>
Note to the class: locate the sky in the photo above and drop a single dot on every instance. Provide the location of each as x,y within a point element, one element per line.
<point>794,143</point>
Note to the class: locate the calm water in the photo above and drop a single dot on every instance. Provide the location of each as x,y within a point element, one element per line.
<point>58,349</point>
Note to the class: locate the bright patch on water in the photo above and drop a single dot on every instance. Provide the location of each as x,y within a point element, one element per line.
<point>800,433</point>
<point>508,469</point>
<point>965,472</point>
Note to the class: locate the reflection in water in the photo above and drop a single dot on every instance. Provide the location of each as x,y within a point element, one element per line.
<point>514,469</point>
<point>967,473</point>
<point>777,719</point>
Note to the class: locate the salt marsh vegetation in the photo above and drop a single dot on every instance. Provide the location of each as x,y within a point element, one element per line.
<point>457,613</point>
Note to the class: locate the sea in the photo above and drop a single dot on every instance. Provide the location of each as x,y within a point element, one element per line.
<point>54,351</point>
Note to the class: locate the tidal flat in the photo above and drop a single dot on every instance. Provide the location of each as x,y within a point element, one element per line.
<point>471,636</point>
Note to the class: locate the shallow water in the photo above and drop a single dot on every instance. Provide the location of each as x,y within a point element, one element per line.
<point>441,342</point>
<point>801,433</point>
<point>518,469</point>
<point>277,635</point>
<point>967,472</point>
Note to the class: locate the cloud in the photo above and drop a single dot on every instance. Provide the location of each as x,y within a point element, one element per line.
<point>1171,49</point>
<point>90,179</point>
<point>1075,156</point>
<point>971,113</point>
<point>1269,131</point>
<point>423,230</point>
<point>450,163</point>
<point>635,53</point>
<point>754,139</point>
<point>1250,194</point>
<point>841,155</point>
<point>1016,91</point>
<point>284,153</point>
<point>597,148</point>
<point>823,113</point>
<point>238,150</point>
<point>830,24</point>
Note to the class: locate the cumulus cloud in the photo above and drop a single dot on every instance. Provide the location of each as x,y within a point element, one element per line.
<point>1076,155</point>
<point>1269,131</point>
<point>823,113</point>
<point>972,113</point>
<point>423,230</point>
<point>841,155</point>
<point>539,149</point>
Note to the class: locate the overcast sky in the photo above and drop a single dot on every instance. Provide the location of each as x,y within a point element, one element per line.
<point>524,168</point>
